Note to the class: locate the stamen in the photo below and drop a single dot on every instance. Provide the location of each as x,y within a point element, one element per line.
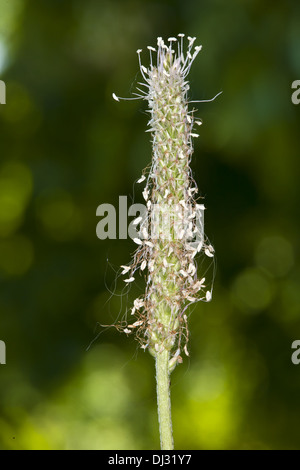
<point>118,98</point>
<point>207,101</point>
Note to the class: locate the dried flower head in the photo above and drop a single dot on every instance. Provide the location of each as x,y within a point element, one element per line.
<point>171,235</point>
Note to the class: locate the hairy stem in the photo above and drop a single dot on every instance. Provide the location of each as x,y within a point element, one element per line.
<point>163,400</point>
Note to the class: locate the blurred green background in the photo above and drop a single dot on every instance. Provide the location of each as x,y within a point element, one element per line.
<point>67,147</point>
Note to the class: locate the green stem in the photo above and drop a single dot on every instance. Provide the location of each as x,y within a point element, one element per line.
<point>163,400</point>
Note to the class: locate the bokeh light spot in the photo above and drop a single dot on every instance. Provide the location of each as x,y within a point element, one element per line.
<point>21,111</point>
<point>16,255</point>
<point>15,191</point>
<point>290,298</point>
<point>275,255</point>
<point>252,291</point>
<point>58,214</point>
<point>208,382</point>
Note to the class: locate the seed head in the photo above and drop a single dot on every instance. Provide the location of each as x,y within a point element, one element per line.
<point>172,233</point>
